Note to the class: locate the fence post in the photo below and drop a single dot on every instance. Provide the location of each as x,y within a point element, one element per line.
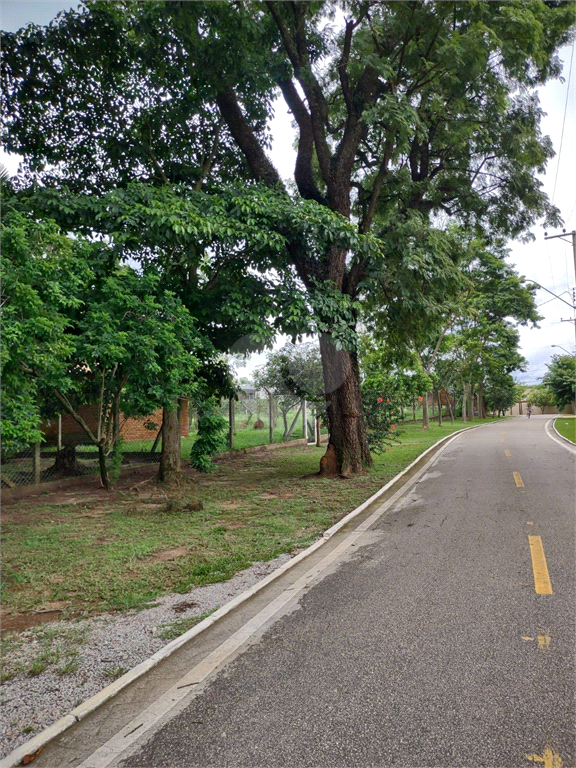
<point>231,420</point>
<point>270,413</point>
<point>304,422</point>
<point>36,463</point>
<point>59,431</point>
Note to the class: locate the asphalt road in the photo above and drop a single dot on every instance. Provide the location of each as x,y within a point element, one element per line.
<point>429,646</point>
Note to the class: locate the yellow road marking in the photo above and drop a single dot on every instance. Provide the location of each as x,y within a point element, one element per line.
<point>507,453</point>
<point>518,480</point>
<point>502,440</point>
<point>542,583</point>
<point>527,638</point>
<point>543,639</point>
<point>550,758</point>
<point>529,523</point>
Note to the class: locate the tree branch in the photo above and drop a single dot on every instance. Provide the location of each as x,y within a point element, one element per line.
<point>303,172</point>
<point>261,167</point>
<point>76,416</point>
<point>207,166</point>
<point>297,51</point>
<point>343,67</point>
<point>377,185</point>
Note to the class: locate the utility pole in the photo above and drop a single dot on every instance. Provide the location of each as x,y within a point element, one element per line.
<point>564,234</point>
<point>571,319</point>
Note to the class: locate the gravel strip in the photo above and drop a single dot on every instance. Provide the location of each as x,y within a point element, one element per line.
<point>93,652</point>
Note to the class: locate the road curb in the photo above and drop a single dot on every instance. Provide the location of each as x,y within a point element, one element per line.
<point>565,442</point>
<point>43,738</point>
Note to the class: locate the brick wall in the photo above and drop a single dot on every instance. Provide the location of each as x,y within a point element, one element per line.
<point>132,428</point>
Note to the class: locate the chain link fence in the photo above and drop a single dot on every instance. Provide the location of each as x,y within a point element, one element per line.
<point>255,419</point>
<point>258,419</point>
<point>42,463</point>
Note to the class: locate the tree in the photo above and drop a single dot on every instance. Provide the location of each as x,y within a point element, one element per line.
<point>541,397</point>
<point>43,274</point>
<point>560,379</point>
<point>76,332</point>
<point>501,393</point>
<point>404,107</point>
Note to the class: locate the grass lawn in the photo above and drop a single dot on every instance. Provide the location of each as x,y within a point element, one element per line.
<point>566,426</point>
<point>122,550</point>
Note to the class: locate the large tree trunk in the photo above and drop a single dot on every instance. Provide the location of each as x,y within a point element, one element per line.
<point>425,413</point>
<point>481,408</point>
<point>471,402</point>
<point>169,468</point>
<point>344,407</point>
<point>450,410</point>
<point>439,408</point>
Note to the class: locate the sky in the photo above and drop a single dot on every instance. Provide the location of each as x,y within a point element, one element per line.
<point>548,262</point>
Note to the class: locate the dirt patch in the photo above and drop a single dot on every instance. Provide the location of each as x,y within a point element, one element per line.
<point>18,622</point>
<point>60,493</point>
<point>235,526</point>
<point>268,496</point>
<point>81,490</point>
<point>169,554</point>
<point>94,513</point>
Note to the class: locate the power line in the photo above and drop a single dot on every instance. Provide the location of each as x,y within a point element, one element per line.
<point>551,269</point>
<point>549,300</point>
<point>563,122</point>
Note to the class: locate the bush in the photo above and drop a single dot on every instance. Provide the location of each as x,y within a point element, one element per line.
<point>382,416</point>
<point>212,431</point>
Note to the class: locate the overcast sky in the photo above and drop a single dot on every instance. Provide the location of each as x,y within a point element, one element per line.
<point>549,263</point>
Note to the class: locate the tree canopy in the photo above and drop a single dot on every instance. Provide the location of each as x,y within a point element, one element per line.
<point>404,112</point>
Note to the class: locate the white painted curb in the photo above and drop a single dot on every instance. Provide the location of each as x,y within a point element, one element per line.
<point>80,712</point>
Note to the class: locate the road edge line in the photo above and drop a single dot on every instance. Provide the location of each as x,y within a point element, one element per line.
<point>14,758</point>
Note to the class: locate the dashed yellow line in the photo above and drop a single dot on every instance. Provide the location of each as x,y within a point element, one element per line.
<point>542,583</point>
<point>543,640</point>
<point>502,440</point>
<point>518,480</point>
<point>549,758</point>
<point>507,453</point>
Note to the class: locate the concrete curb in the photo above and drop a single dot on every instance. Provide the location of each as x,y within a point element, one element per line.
<point>80,712</point>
